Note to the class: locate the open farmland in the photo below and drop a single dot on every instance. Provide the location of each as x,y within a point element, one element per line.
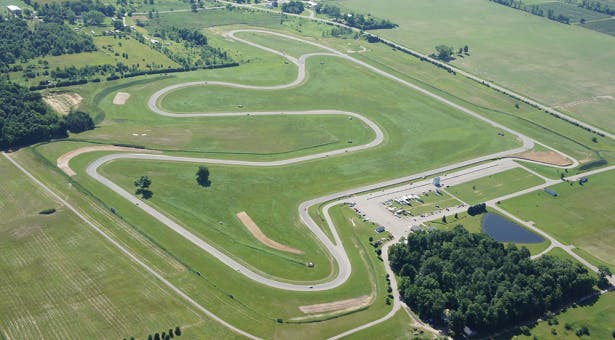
<point>55,270</point>
<point>605,26</point>
<point>545,60</point>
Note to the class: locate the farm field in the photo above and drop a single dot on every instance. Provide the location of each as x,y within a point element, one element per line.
<point>558,64</point>
<point>493,186</point>
<point>579,215</point>
<point>605,26</point>
<point>55,270</point>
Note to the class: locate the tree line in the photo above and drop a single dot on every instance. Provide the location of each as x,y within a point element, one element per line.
<point>26,120</point>
<point>19,42</point>
<point>534,9</point>
<point>457,279</point>
<point>353,19</point>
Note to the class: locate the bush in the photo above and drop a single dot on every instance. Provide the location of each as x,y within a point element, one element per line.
<point>477,209</point>
<point>79,121</point>
<point>48,211</point>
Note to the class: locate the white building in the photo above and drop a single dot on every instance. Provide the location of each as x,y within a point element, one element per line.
<point>14,10</point>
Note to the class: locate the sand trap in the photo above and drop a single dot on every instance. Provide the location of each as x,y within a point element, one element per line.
<point>62,102</point>
<point>354,303</point>
<point>65,158</point>
<point>550,157</point>
<point>121,98</point>
<point>256,231</point>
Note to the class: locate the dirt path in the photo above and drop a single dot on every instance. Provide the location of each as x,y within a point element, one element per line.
<point>353,303</point>
<point>63,160</point>
<point>256,232</point>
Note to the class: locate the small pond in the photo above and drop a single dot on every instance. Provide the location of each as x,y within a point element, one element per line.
<point>503,230</point>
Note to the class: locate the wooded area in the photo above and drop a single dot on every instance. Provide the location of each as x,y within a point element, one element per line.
<point>457,279</point>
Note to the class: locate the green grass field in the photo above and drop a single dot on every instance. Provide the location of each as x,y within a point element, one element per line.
<point>546,60</point>
<point>493,186</point>
<point>580,215</point>
<point>603,26</point>
<point>55,270</point>
<point>253,307</point>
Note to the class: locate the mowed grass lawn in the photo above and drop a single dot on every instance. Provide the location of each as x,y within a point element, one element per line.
<point>60,279</point>
<point>579,215</point>
<point>546,60</point>
<point>493,186</point>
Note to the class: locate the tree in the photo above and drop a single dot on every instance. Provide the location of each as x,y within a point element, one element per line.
<point>456,215</point>
<point>143,183</point>
<point>79,121</point>
<point>443,219</point>
<point>460,50</point>
<point>194,7</point>
<point>444,52</point>
<point>466,49</point>
<point>178,331</point>
<point>604,273</point>
<point>202,176</point>
<point>93,18</point>
<point>295,7</point>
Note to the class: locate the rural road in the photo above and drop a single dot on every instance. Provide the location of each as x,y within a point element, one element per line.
<point>335,247</point>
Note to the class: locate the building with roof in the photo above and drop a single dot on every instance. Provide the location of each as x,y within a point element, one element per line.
<point>16,11</point>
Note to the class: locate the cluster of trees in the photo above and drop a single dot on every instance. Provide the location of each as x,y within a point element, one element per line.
<point>92,12</point>
<point>202,55</point>
<point>293,6</point>
<point>353,19</point>
<point>457,279</point>
<point>26,120</point>
<point>597,6</point>
<point>202,177</point>
<point>445,53</point>
<point>166,335</point>
<point>19,42</point>
<point>181,35</point>
<point>477,209</point>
